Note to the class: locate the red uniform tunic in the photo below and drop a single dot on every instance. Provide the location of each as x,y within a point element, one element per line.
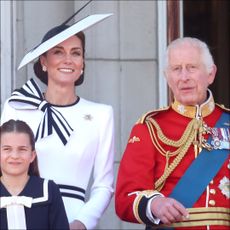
<point>142,165</point>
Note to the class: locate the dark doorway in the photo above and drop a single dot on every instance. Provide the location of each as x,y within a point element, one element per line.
<point>210,22</point>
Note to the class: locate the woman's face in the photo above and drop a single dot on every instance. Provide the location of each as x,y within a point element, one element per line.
<point>64,62</point>
<point>16,154</point>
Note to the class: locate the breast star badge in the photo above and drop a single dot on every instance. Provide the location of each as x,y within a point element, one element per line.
<point>88,117</point>
<point>224,186</point>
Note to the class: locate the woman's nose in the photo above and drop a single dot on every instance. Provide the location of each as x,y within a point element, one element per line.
<point>68,58</point>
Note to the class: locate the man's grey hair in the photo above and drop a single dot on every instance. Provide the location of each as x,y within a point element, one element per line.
<point>202,46</point>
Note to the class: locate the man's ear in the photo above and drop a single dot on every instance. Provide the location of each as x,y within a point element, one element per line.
<point>212,74</point>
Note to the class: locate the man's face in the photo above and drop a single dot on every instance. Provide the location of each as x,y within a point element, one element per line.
<point>187,76</point>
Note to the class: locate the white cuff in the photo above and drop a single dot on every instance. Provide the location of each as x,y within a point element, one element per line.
<point>149,212</point>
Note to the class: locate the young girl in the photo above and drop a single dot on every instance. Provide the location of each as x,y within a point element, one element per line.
<point>27,201</point>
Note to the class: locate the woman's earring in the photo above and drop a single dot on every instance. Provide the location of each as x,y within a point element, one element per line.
<point>81,72</point>
<point>44,68</point>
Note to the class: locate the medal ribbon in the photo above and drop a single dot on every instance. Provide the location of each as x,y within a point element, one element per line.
<point>200,172</point>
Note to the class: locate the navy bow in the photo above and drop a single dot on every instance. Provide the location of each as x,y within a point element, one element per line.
<point>30,97</point>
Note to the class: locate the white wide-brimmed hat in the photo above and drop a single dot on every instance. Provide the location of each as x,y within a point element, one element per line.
<point>69,31</point>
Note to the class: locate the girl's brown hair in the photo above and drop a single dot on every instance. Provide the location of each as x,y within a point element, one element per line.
<point>21,127</point>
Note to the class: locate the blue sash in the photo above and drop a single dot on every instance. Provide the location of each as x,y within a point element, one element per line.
<point>200,172</point>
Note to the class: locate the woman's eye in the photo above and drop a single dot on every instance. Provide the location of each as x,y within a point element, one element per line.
<point>76,53</point>
<point>57,52</point>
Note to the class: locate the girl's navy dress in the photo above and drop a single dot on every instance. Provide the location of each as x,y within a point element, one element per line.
<point>47,210</point>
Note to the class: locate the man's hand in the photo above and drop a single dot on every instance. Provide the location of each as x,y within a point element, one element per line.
<point>77,225</point>
<point>168,210</point>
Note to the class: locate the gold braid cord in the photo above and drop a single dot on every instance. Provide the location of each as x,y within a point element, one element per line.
<point>192,135</point>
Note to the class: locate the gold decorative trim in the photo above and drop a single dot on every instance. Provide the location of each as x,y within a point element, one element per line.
<point>223,107</point>
<point>150,114</point>
<point>182,145</point>
<point>135,208</point>
<point>140,195</point>
<point>208,209</point>
<point>192,111</point>
<point>204,216</point>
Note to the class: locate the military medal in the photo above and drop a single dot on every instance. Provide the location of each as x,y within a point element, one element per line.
<point>220,138</point>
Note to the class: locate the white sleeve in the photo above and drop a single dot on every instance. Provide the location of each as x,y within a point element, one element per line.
<point>103,175</point>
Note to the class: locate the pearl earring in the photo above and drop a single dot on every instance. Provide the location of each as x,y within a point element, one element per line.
<point>81,72</point>
<point>44,68</point>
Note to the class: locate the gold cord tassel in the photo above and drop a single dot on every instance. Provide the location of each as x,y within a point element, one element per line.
<point>193,134</point>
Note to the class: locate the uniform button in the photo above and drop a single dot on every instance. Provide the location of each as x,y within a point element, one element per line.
<point>212,202</point>
<point>213,191</point>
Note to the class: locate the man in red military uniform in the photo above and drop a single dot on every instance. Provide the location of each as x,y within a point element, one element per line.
<point>175,168</point>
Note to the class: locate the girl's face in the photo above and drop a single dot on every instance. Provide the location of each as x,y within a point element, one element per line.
<point>16,154</point>
<point>64,62</point>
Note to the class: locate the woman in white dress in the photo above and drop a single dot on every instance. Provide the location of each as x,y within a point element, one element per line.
<point>74,136</point>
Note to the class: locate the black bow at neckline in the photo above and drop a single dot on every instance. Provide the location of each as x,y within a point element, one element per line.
<point>30,97</point>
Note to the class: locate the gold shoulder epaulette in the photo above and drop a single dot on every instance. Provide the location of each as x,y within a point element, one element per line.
<point>151,114</point>
<point>223,107</point>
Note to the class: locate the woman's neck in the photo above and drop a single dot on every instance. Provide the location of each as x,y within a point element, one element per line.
<point>60,96</point>
<point>14,184</point>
